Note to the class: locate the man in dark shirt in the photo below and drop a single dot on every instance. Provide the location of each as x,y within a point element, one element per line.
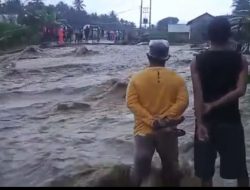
<point>219,79</point>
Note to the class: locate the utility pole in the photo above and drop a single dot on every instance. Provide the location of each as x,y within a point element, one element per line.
<point>141,14</point>
<point>150,14</point>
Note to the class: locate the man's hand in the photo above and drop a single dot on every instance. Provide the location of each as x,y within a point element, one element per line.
<point>167,123</point>
<point>202,133</point>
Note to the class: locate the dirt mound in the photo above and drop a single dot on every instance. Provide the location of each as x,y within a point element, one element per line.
<point>114,95</point>
<point>83,51</point>
<point>79,52</point>
<point>111,90</point>
<point>31,52</point>
<point>118,90</point>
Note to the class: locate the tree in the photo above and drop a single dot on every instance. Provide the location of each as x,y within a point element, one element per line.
<point>12,7</point>
<point>79,5</point>
<point>163,24</point>
<point>1,6</point>
<point>241,23</point>
<point>62,9</point>
<point>241,7</point>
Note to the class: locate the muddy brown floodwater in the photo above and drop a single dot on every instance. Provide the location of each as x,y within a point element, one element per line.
<point>63,116</point>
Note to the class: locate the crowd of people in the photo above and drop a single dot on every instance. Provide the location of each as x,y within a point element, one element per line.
<point>78,35</point>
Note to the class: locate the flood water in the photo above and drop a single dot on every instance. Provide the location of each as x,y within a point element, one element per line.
<point>60,113</point>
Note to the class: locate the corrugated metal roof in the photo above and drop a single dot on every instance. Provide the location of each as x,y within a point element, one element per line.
<point>178,28</point>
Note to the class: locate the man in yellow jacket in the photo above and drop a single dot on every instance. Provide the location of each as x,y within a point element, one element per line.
<point>158,98</point>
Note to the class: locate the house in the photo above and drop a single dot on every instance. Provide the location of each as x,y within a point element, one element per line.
<point>179,32</point>
<point>198,28</point>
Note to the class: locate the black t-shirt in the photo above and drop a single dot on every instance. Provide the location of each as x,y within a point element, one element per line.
<point>219,72</point>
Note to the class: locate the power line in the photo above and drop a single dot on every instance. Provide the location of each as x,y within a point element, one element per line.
<point>126,11</point>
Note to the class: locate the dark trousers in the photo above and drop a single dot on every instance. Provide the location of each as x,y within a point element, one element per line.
<point>166,144</point>
<point>227,139</point>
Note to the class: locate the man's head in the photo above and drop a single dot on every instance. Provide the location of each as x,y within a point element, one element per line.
<point>219,31</point>
<point>158,52</point>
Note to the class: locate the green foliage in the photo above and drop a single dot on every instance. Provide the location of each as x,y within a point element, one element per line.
<point>163,24</point>
<point>34,15</point>
<point>79,5</point>
<point>12,35</point>
<point>241,22</point>
<point>11,7</point>
<point>241,7</point>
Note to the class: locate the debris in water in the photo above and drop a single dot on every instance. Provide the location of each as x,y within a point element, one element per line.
<point>73,106</point>
<point>31,52</point>
<point>82,51</point>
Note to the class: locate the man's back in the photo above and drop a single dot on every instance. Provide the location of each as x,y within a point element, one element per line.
<point>159,91</point>
<point>219,72</point>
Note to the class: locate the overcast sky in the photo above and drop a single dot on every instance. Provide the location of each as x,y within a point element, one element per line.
<point>185,10</point>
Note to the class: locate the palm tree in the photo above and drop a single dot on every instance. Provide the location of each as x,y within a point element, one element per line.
<point>79,5</point>
<point>241,23</point>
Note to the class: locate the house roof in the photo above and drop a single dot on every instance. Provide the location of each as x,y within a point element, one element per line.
<point>178,28</point>
<point>205,14</point>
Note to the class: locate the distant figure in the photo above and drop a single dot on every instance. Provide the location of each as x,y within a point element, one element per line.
<point>158,98</point>
<point>61,36</point>
<point>108,36</point>
<point>80,35</point>
<point>102,33</point>
<point>73,37</point>
<point>112,36</point>
<point>69,34</point>
<point>55,34</point>
<point>219,78</point>
<point>86,32</point>
<point>44,35</point>
<point>98,34</point>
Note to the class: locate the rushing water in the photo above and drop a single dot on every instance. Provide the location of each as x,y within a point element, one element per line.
<point>61,113</point>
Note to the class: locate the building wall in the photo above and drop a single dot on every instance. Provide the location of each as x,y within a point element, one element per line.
<point>198,29</point>
<point>178,37</point>
<point>178,28</point>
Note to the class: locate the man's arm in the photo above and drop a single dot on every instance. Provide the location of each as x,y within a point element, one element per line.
<point>181,104</point>
<point>202,132</point>
<point>197,91</point>
<point>135,106</point>
<point>235,94</point>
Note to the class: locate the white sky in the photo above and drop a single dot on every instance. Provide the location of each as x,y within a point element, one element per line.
<point>185,10</point>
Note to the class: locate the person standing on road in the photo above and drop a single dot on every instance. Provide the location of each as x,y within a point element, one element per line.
<point>158,98</point>
<point>219,79</point>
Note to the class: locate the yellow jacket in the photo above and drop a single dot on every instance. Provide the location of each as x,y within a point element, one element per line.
<point>155,92</point>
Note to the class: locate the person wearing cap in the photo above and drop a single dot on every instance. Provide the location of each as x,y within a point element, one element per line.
<point>219,79</point>
<point>158,98</point>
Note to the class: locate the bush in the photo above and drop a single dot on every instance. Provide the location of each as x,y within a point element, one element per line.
<point>12,35</point>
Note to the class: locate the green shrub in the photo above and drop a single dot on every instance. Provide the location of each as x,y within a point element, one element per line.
<point>14,35</point>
